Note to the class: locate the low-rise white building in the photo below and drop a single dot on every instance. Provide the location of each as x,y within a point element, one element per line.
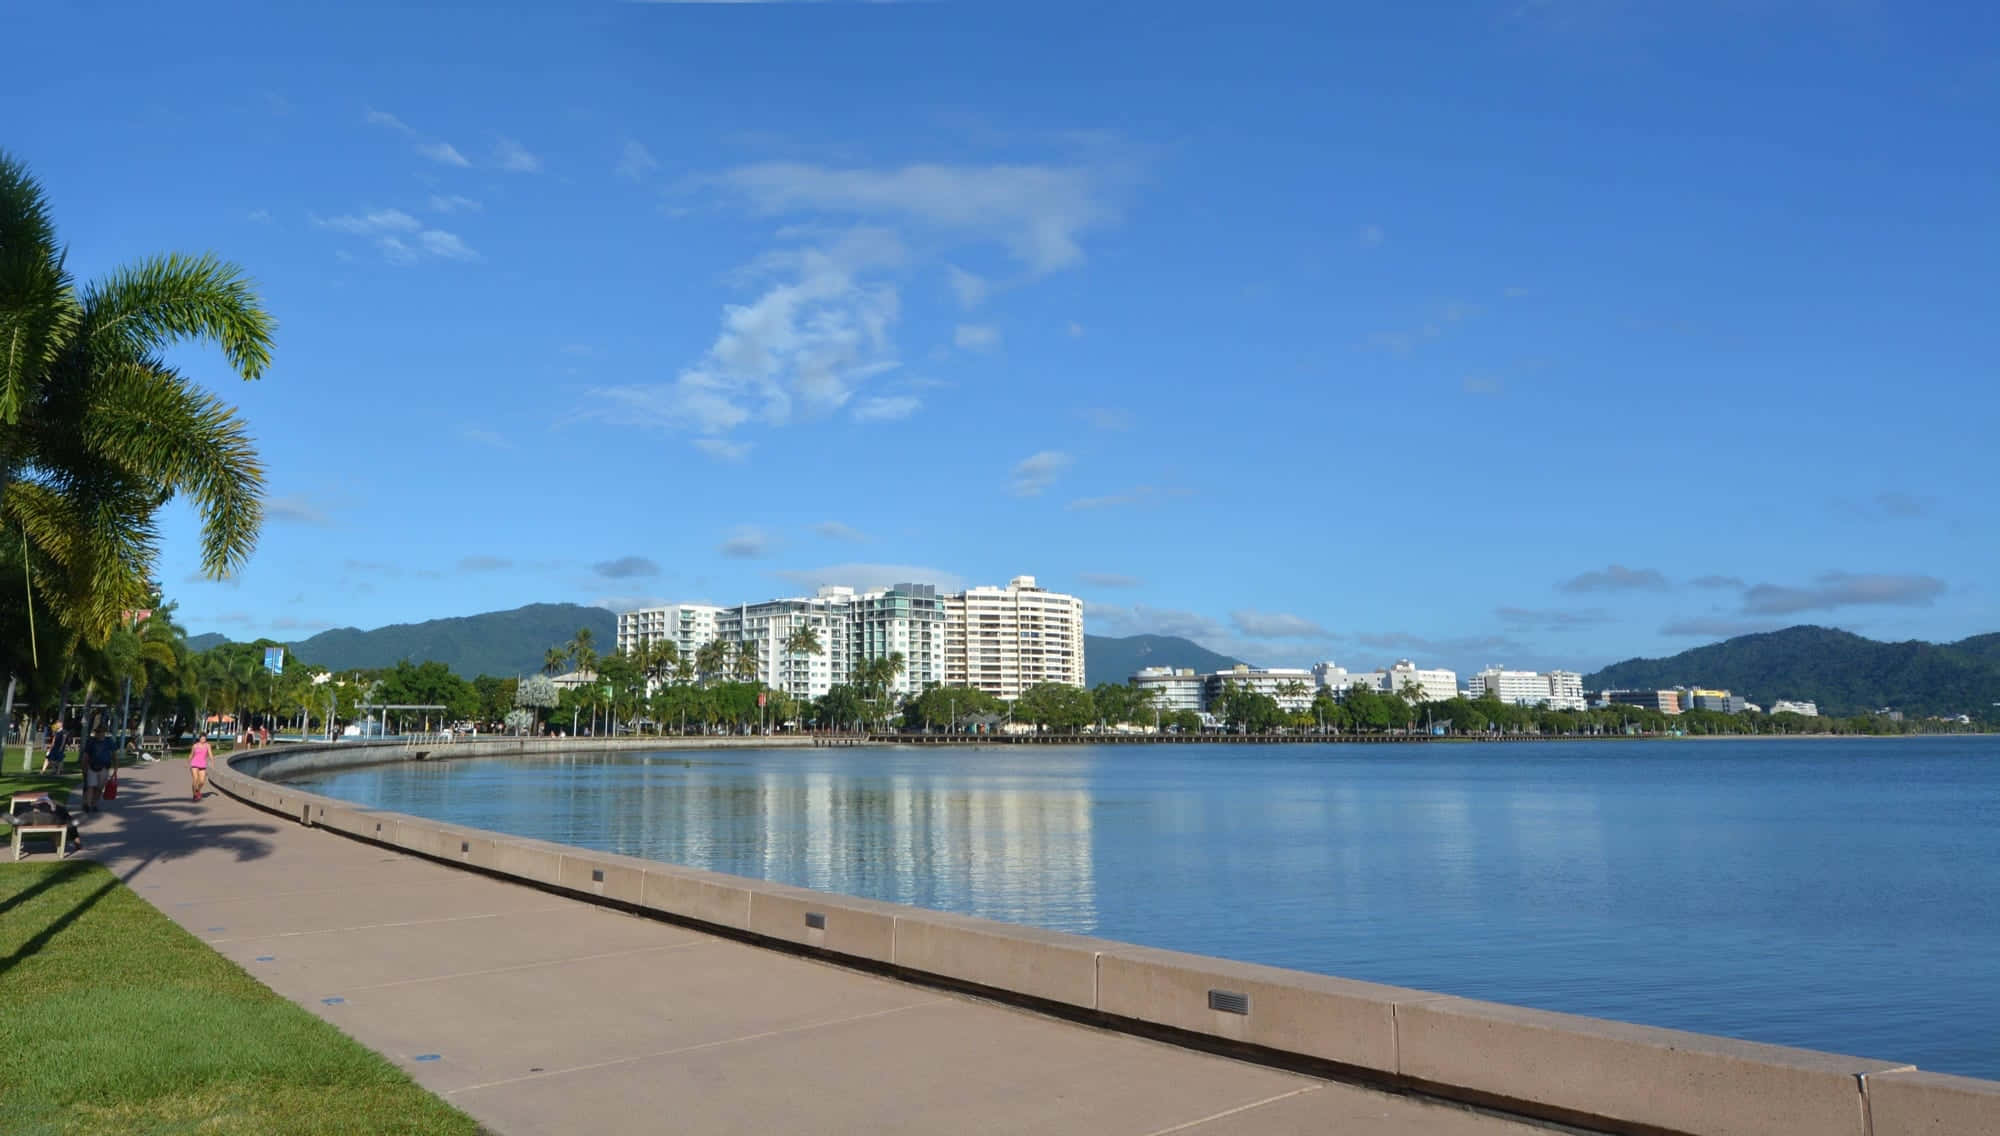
<point>1174,688</point>
<point>1787,706</point>
<point>1420,684</point>
<point>1291,687</point>
<point>1338,679</point>
<point>1557,690</point>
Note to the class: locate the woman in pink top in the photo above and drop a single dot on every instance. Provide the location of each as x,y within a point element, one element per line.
<point>198,764</point>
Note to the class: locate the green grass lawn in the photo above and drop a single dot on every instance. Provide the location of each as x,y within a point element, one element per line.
<point>115,1020</point>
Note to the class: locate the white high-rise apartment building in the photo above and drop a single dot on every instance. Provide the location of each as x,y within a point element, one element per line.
<point>1566,691</point>
<point>1340,680</point>
<point>687,626</point>
<point>1005,640</point>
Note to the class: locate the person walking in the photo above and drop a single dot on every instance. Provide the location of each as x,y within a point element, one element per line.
<point>59,739</point>
<point>198,765</point>
<point>100,753</point>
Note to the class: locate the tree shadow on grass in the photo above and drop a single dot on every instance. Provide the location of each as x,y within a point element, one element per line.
<point>55,926</point>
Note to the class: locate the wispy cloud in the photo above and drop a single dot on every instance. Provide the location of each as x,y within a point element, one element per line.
<point>976,337</point>
<point>1137,495</point>
<point>1276,625</point>
<point>1533,619</point>
<point>1715,627</point>
<point>1110,580</point>
<point>1141,619</point>
<point>722,449</point>
<point>258,215</point>
<point>512,156</point>
<point>834,530</point>
<point>635,161</point>
<point>1483,385</point>
<point>1615,578</point>
<point>485,437</point>
<point>970,289</point>
<point>453,203</point>
<point>626,568</point>
<point>1075,330</point>
<point>886,408</point>
<point>865,576</point>
<point>443,152</point>
<point>1843,589</point>
<point>1411,641</point>
<point>484,564</point>
<point>385,119</point>
<point>368,224</point>
<point>1717,582</point>
<point>295,510</point>
<point>1107,417</point>
<point>1038,471</point>
<point>401,238</point>
<point>1370,236</point>
<point>1894,505</point>
<point>1038,212</point>
<point>746,542</point>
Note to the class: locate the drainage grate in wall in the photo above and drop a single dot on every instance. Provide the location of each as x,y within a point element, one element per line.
<point>1229,1001</point>
<point>465,846</point>
<point>597,875</point>
<point>816,920</point>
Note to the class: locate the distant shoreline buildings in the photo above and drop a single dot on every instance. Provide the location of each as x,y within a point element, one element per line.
<point>1004,640</point>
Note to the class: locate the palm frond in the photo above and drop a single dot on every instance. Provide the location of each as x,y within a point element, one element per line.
<point>142,309</point>
<point>38,306</point>
<point>150,421</point>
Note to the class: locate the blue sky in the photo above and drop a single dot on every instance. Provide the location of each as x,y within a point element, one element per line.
<point>1545,332</point>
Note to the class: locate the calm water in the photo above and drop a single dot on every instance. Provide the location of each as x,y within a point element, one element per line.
<point>1830,894</point>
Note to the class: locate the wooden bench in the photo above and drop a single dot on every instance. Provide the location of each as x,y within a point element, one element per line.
<point>59,831</point>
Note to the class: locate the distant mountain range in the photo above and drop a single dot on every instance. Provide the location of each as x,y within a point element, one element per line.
<point>1841,671</point>
<point>513,642</point>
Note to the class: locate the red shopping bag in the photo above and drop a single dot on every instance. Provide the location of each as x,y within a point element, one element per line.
<point>111,788</point>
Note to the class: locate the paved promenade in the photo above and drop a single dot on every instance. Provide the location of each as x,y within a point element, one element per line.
<point>540,1014</point>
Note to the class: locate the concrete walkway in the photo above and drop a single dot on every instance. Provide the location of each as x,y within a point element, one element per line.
<point>540,1014</point>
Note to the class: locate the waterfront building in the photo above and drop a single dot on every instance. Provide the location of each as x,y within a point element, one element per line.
<point>1174,688</point>
<point>1566,691</point>
<point>1005,640</point>
<point>1720,701</point>
<point>1291,687</point>
<point>1665,701</point>
<point>1338,679</point>
<point>689,627</point>
<point>770,625</point>
<point>1787,706</point>
<point>1420,684</point>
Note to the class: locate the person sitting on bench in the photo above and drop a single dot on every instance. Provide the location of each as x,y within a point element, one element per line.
<point>44,812</point>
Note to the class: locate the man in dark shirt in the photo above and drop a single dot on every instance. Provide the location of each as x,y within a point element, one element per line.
<point>99,753</point>
<point>59,739</point>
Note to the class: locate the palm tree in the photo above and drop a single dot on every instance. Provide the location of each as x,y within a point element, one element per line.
<point>98,432</point>
<point>711,658</point>
<point>804,640</point>
<point>582,650</point>
<point>554,660</point>
<point>745,664</point>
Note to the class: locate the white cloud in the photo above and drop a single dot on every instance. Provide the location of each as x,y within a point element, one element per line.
<point>443,152</point>
<point>636,161</point>
<point>1039,212</point>
<point>453,203</point>
<point>864,576</point>
<point>969,288</point>
<point>800,348</point>
<point>1075,330</point>
<point>1371,236</point>
<point>511,155</point>
<point>747,542</point>
<point>1137,495</point>
<point>722,449</point>
<point>259,215</point>
<point>439,243</point>
<point>1482,384</point>
<point>976,337</point>
<point>1276,625</point>
<point>1038,471</point>
<point>384,118</point>
<point>1843,589</point>
<point>887,408</point>
<point>1139,619</point>
<point>834,530</point>
<point>368,224</point>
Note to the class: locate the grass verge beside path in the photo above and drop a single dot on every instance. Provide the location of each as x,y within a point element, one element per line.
<point>113,1019</point>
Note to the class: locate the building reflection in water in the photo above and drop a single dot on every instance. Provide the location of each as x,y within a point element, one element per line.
<point>1011,844</point>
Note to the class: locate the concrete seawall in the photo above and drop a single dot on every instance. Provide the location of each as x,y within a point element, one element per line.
<point>1601,1075</point>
